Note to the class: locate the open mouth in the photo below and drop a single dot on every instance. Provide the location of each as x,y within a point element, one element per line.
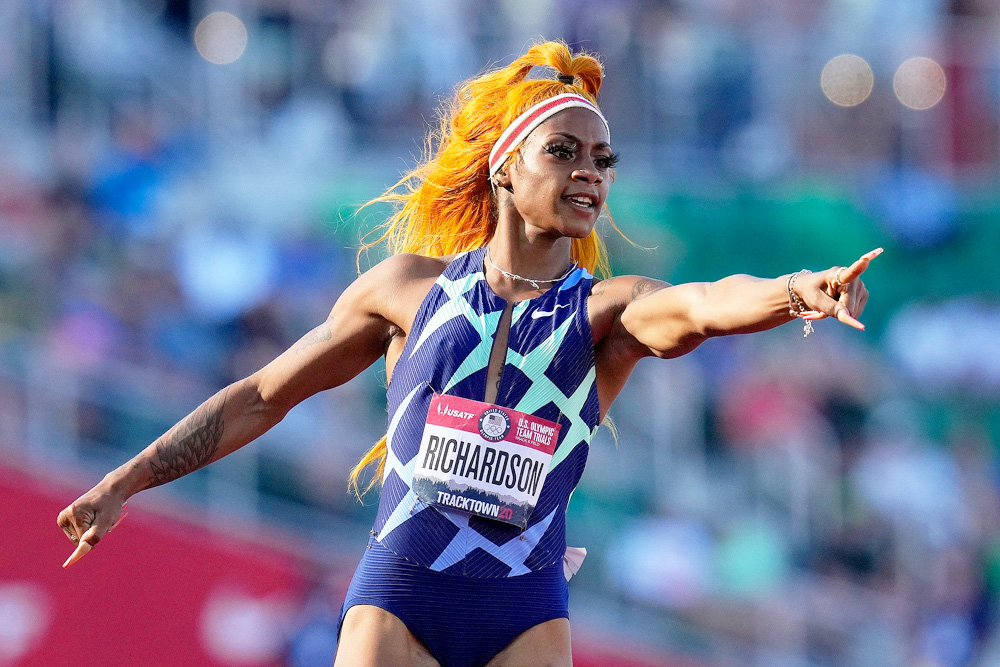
<point>582,201</point>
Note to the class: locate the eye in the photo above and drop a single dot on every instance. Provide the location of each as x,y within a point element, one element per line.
<point>607,161</point>
<point>560,151</point>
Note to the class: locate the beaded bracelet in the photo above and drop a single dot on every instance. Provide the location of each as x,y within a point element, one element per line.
<point>796,306</point>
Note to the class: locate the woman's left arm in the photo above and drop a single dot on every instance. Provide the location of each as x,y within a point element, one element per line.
<point>674,320</point>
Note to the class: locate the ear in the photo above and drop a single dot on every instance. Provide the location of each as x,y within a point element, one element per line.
<point>502,179</point>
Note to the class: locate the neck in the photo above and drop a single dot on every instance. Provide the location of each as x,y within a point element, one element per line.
<point>516,250</point>
<point>520,247</point>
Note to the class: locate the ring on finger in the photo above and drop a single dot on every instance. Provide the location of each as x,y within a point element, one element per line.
<point>837,282</point>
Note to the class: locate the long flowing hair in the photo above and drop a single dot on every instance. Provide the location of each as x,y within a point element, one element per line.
<point>445,205</point>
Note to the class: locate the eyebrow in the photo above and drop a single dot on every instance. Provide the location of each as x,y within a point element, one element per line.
<point>602,144</point>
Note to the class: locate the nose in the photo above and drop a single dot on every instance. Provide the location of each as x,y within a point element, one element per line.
<point>587,175</point>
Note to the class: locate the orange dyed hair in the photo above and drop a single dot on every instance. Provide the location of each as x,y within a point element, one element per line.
<point>446,204</point>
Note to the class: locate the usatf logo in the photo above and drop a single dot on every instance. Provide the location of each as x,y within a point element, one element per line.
<point>448,411</point>
<point>494,424</point>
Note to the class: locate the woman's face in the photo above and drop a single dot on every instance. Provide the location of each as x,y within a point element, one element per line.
<point>562,174</point>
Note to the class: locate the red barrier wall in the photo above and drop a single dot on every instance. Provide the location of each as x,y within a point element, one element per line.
<point>153,593</point>
<point>160,591</point>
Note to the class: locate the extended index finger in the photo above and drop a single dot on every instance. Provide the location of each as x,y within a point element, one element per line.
<point>854,270</point>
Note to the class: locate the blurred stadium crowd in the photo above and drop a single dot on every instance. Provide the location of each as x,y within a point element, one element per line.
<point>169,225</point>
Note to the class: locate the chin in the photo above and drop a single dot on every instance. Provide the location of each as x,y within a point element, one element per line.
<point>577,232</point>
<point>572,230</point>
<point>578,229</point>
<point>574,227</point>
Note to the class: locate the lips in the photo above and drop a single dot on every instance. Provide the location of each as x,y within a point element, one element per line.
<point>582,200</point>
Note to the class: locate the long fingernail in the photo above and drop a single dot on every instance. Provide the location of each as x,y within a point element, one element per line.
<point>82,550</point>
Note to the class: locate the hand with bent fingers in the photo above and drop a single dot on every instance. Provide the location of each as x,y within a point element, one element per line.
<point>837,292</point>
<point>89,518</point>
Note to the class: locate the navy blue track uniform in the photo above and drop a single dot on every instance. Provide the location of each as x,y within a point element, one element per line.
<point>466,586</point>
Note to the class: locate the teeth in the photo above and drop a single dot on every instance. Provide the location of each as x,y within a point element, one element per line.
<point>580,201</point>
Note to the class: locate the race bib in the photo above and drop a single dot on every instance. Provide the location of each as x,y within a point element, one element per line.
<point>483,459</point>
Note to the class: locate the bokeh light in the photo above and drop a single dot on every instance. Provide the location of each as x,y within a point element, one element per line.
<point>169,225</point>
<point>847,80</point>
<point>919,83</point>
<point>220,38</point>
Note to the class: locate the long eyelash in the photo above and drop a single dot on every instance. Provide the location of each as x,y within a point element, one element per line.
<point>610,160</point>
<point>554,148</point>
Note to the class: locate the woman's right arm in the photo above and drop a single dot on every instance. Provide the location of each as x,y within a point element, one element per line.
<point>353,337</point>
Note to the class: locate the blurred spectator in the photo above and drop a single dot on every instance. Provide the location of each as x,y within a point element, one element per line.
<point>168,226</point>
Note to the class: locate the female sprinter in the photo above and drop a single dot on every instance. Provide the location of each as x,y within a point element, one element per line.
<point>504,355</point>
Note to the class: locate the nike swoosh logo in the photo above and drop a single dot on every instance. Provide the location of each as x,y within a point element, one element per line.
<point>543,313</point>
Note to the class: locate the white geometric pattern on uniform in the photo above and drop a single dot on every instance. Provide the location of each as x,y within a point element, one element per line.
<point>571,407</point>
<point>518,310</point>
<point>406,508</point>
<point>391,461</point>
<point>455,306</point>
<point>534,364</point>
<point>479,356</point>
<point>513,553</point>
<point>405,471</point>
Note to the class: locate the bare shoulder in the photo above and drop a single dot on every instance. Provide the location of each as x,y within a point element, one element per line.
<point>395,287</point>
<point>405,267</point>
<point>398,275</point>
<point>616,351</point>
<point>609,297</point>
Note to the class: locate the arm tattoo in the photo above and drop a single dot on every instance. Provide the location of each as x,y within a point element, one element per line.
<point>598,289</point>
<point>320,334</point>
<point>646,285</point>
<point>191,444</point>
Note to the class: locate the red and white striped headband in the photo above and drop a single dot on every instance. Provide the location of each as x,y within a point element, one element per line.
<point>523,125</point>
